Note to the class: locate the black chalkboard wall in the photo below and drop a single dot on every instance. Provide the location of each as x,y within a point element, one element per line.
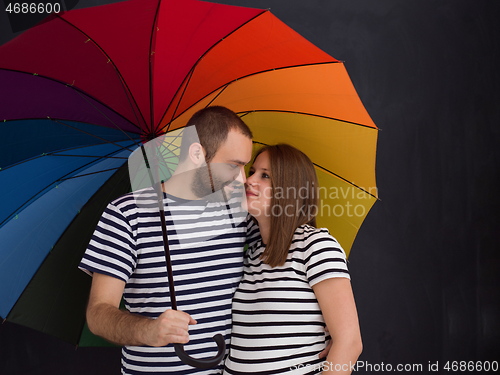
<point>425,265</point>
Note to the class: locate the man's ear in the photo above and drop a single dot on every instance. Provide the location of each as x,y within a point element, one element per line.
<point>197,154</point>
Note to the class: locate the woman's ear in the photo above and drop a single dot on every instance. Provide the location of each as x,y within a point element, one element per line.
<point>197,154</point>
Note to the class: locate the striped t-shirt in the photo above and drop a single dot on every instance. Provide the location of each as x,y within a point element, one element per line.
<point>206,242</point>
<point>277,323</point>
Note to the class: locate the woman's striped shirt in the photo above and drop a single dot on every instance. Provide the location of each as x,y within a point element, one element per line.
<point>206,244</point>
<point>277,323</point>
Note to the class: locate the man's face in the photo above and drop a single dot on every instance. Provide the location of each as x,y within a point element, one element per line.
<point>226,169</point>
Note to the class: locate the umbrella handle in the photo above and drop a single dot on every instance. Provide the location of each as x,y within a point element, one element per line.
<point>179,348</point>
<point>203,363</point>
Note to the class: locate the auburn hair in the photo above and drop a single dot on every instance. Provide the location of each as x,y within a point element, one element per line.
<point>294,199</point>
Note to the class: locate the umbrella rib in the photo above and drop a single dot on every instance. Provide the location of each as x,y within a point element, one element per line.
<point>112,122</point>
<point>86,156</point>
<point>77,90</point>
<point>190,74</point>
<point>218,94</point>
<point>128,94</point>
<point>333,173</point>
<point>61,179</point>
<point>225,85</point>
<point>151,92</point>
<point>245,113</point>
<point>278,68</point>
<point>191,71</point>
<point>88,174</point>
<point>93,135</point>
<point>107,156</point>
<point>62,150</point>
<point>176,137</point>
<point>345,180</point>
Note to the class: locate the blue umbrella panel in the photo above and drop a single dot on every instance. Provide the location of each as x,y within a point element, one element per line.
<point>52,196</point>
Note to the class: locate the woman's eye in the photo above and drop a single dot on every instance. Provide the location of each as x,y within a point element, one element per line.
<point>265,175</point>
<point>250,172</point>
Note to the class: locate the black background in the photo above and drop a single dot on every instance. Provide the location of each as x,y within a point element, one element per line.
<point>425,265</point>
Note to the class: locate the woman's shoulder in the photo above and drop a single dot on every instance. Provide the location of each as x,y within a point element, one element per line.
<point>314,243</point>
<point>307,232</point>
<point>306,237</point>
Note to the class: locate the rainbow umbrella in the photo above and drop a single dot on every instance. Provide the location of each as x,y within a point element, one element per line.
<point>80,92</point>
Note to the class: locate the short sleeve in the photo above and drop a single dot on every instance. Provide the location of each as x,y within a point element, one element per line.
<point>111,250</point>
<point>324,258</point>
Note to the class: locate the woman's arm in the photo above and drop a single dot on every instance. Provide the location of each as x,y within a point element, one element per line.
<point>337,305</point>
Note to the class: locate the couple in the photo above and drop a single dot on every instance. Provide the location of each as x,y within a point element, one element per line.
<point>294,284</point>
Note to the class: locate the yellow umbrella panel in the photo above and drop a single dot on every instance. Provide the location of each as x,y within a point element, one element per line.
<point>344,155</point>
<point>316,109</point>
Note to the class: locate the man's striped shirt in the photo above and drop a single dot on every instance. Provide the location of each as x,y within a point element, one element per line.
<point>206,242</point>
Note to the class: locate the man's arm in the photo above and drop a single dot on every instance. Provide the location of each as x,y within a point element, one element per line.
<point>105,319</point>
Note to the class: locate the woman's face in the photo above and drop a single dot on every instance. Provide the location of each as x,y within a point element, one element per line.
<point>258,187</point>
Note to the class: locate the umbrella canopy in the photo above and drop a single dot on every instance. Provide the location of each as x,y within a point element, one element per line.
<point>81,91</point>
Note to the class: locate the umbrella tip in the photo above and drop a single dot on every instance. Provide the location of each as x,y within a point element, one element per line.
<point>150,136</point>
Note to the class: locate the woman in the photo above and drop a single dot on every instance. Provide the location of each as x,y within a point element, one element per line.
<point>295,278</point>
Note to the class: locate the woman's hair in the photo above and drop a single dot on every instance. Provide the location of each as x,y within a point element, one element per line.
<point>294,201</point>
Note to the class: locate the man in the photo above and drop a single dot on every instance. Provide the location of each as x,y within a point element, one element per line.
<point>126,255</point>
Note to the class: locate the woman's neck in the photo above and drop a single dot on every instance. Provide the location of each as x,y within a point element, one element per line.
<point>264,228</point>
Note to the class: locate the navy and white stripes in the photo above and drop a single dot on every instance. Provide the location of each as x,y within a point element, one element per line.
<point>206,247</point>
<point>277,322</point>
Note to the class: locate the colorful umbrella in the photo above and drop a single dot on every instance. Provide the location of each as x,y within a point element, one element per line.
<point>81,90</point>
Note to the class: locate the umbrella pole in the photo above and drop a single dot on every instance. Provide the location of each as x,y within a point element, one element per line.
<point>168,261</point>
<point>179,348</point>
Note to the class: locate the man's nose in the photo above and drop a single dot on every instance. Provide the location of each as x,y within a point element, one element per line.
<point>241,176</point>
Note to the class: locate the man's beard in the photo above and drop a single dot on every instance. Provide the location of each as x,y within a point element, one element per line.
<point>208,186</point>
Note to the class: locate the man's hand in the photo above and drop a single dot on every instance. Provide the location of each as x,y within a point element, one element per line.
<point>105,319</point>
<point>170,327</point>
<point>325,351</point>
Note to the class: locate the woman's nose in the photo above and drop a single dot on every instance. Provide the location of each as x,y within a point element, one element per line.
<point>250,180</point>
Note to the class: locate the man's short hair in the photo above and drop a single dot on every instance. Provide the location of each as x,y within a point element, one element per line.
<point>213,125</point>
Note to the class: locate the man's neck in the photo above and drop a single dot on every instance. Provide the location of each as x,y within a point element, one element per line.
<point>179,185</point>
